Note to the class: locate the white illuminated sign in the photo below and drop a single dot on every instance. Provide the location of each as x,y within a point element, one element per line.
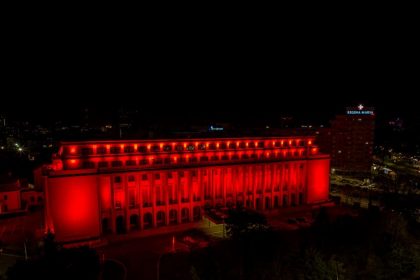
<point>360,111</point>
<point>212,128</point>
<point>357,112</point>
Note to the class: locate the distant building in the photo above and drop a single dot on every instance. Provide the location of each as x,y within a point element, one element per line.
<point>352,138</point>
<point>9,195</point>
<point>31,198</point>
<point>96,187</point>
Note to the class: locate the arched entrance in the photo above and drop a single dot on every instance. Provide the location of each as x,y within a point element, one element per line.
<point>267,203</point>
<point>134,221</point>
<point>160,219</point>
<point>249,203</point>
<point>285,201</point>
<point>197,213</point>
<point>258,204</point>
<point>120,226</point>
<point>276,202</point>
<point>239,201</point>
<point>185,215</point>
<point>173,217</point>
<point>293,199</point>
<point>147,220</point>
<point>105,226</point>
<point>300,198</point>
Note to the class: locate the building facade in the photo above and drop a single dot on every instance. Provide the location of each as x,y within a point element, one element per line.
<point>352,137</point>
<point>350,140</point>
<point>92,188</point>
<point>10,200</point>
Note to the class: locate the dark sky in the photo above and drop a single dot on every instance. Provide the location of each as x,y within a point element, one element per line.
<point>240,71</point>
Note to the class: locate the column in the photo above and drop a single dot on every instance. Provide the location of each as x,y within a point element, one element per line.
<point>152,188</point>
<point>140,199</point>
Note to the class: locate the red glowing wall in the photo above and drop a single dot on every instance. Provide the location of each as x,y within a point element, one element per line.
<point>73,209</point>
<point>318,180</point>
<point>105,191</point>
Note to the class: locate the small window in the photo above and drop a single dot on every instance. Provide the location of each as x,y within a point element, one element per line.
<point>179,148</point>
<point>181,174</point>
<point>86,151</point>
<point>5,197</point>
<point>167,148</point>
<point>193,173</point>
<point>129,149</point>
<point>88,164</point>
<point>260,144</point>
<point>212,146</point>
<point>142,149</point>
<point>32,199</point>
<point>130,162</point>
<point>144,177</point>
<point>225,157</point>
<point>232,146</point>
<point>115,150</point>
<point>204,158</point>
<point>158,161</point>
<point>143,162</point>
<point>223,146</point>
<point>101,150</point>
<point>116,163</point>
<point>214,158</point>
<point>193,159</point>
<point>166,160</point>
<point>155,148</point>
<point>102,164</point>
<point>169,175</point>
<point>201,147</point>
<point>117,179</point>
<point>157,176</point>
<point>131,178</point>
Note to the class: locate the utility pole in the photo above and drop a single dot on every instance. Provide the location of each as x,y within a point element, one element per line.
<point>26,251</point>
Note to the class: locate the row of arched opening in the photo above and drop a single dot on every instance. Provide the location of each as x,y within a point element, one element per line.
<point>161,220</point>
<point>269,203</point>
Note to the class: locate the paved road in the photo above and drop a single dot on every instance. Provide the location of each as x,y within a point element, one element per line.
<point>141,256</point>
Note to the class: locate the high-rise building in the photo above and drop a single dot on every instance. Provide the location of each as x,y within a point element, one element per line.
<point>92,188</point>
<point>352,138</point>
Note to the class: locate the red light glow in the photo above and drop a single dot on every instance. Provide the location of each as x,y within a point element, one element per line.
<point>75,205</point>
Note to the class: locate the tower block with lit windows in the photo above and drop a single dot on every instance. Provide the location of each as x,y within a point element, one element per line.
<point>93,188</point>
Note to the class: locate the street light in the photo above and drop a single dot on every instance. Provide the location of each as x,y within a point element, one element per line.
<point>158,265</point>
<point>173,250</point>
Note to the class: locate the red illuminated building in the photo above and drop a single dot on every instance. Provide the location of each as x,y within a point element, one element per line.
<point>92,188</point>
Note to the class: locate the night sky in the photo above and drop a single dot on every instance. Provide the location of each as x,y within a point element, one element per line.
<point>181,74</point>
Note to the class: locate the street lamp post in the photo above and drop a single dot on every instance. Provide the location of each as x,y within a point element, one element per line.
<point>158,265</point>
